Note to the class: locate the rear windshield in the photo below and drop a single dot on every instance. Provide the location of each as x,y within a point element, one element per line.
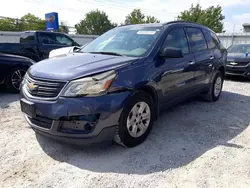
<point>27,38</point>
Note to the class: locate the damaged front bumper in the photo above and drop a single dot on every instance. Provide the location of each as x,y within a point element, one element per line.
<point>76,120</point>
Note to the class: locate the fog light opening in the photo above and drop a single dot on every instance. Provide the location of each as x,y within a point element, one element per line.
<point>88,126</point>
<point>76,127</point>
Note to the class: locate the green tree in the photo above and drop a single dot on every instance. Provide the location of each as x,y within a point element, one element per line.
<point>151,19</point>
<point>211,17</point>
<point>137,17</point>
<point>8,24</point>
<point>31,22</point>
<point>63,27</point>
<point>95,23</point>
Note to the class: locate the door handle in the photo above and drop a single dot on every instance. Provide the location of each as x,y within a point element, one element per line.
<point>211,57</point>
<point>191,62</point>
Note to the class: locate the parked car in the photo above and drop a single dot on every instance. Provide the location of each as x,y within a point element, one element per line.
<point>37,45</point>
<point>116,86</point>
<point>12,70</point>
<point>65,50</point>
<point>238,61</point>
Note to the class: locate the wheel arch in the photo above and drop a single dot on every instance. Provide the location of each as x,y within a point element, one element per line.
<point>153,94</point>
<point>222,70</point>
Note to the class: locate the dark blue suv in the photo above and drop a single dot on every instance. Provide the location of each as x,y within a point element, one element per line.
<point>115,87</point>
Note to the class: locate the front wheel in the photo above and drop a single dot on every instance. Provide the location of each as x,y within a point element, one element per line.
<point>215,88</point>
<point>14,80</point>
<point>136,120</point>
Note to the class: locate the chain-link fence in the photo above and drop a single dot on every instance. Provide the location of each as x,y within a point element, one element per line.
<point>229,39</point>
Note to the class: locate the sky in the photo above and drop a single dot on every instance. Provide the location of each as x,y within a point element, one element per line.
<point>236,12</point>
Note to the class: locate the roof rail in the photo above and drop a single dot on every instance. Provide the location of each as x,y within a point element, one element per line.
<point>179,21</point>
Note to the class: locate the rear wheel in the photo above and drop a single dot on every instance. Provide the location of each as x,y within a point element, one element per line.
<point>215,88</point>
<point>136,120</point>
<point>14,80</point>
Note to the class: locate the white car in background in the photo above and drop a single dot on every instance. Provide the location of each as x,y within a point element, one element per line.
<point>64,50</point>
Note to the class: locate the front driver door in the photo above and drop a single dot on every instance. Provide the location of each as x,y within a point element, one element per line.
<point>177,74</point>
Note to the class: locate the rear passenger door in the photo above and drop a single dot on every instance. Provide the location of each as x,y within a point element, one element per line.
<point>204,57</point>
<point>215,45</point>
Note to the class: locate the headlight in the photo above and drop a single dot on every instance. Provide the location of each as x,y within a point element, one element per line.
<point>90,86</point>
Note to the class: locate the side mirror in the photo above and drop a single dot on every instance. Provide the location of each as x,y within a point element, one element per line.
<point>76,48</point>
<point>171,53</point>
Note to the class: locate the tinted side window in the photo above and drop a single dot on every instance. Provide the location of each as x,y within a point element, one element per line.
<point>46,38</point>
<point>212,40</point>
<point>27,37</point>
<point>196,39</point>
<point>63,40</point>
<point>177,39</point>
<point>215,38</point>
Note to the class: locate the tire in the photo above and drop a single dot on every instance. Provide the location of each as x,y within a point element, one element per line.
<point>211,95</point>
<point>123,134</point>
<point>9,83</point>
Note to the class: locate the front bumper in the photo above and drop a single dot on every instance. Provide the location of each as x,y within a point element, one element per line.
<point>77,120</point>
<point>238,70</point>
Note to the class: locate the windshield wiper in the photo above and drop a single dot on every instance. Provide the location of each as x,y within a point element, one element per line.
<point>107,53</point>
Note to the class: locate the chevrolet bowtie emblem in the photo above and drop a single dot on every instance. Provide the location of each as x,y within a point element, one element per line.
<point>233,63</point>
<point>32,86</point>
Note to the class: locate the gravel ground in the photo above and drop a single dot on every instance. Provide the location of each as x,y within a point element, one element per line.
<point>196,144</point>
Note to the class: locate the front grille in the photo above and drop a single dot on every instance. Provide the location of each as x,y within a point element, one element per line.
<point>41,88</point>
<point>235,71</point>
<point>242,64</point>
<point>41,121</point>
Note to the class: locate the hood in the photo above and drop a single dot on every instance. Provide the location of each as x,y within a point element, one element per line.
<point>76,65</point>
<point>238,57</point>
<point>61,51</point>
<point>16,57</point>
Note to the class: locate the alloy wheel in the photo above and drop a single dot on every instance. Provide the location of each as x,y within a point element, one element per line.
<point>17,78</point>
<point>217,86</point>
<point>138,119</point>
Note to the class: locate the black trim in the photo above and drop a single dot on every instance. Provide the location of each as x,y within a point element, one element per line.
<point>106,135</point>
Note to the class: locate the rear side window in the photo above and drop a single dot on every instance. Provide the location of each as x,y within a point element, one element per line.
<point>27,38</point>
<point>196,39</point>
<point>177,39</point>
<point>63,40</point>
<point>46,38</point>
<point>212,39</point>
<point>55,39</point>
<point>215,38</point>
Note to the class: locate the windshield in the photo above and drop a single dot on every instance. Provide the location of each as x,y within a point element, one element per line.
<point>240,48</point>
<point>127,41</point>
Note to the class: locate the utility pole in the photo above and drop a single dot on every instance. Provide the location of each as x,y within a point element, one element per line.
<point>233,28</point>
<point>233,34</point>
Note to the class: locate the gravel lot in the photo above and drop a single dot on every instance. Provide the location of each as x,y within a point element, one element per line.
<point>196,144</point>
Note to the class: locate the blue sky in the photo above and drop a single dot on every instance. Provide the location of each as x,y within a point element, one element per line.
<point>236,12</point>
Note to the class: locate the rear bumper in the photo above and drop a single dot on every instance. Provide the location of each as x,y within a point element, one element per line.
<point>238,70</point>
